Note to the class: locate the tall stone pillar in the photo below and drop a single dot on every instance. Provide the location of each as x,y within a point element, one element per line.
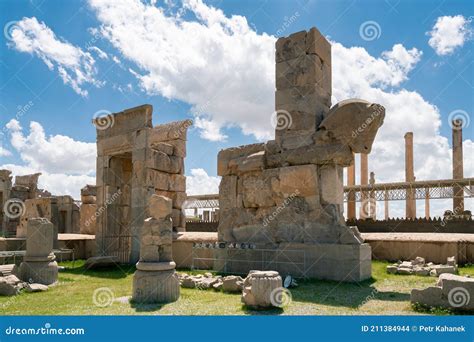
<point>155,280</point>
<point>39,265</point>
<point>372,200</point>
<point>427,203</point>
<point>410,207</point>
<point>458,169</point>
<point>386,205</point>
<point>364,180</point>
<point>351,204</point>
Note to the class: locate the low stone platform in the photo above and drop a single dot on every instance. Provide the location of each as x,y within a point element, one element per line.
<point>183,250</point>
<point>434,247</point>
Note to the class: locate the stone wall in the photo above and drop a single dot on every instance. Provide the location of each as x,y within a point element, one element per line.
<point>290,190</point>
<point>136,160</point>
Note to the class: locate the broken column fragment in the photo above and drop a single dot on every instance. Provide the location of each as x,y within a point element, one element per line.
<point>155,280</point>
<point>39,265</point>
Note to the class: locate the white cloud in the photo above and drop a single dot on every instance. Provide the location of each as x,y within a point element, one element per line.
<point>99,52</point>
<point>75,67</point>
<point>219,65</point>
<point>200,183</point>
<point>4,152</point>
<point>448,33</point>
<point>52,154</point>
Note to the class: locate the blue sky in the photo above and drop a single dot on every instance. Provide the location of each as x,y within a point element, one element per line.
<point>422,83</point>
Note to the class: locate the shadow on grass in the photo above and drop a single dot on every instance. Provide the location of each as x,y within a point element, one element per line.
<point>115,272</point>
<point>261,312</point>
<point>350,295</point>
<point>146,307</point>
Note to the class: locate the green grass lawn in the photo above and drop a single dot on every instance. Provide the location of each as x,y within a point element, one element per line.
<point>384,294</point>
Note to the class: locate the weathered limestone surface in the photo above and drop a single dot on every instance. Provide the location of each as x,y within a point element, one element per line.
<point>290,190</point>
<point>418,266</point>
<point>259,288</point>
<point>136,161</point>
<point>451,292</point>
<point>10,285</point>
<point>155,280</point>
<point>39,265</point>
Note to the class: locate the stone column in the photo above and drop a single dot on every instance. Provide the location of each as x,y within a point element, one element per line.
<point>427,203</point>
<point>458,172</point>
<point>351,204</point>
<point>155,280</point>
<point>386,205</point>
<point>372,201</point>
<point>410,207</point>
<point>364,180</point>
<point>303,87</point>
<point>39,265</point>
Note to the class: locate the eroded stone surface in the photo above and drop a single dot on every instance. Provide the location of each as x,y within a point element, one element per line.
<point>451,292</point>
<point>290,190</point>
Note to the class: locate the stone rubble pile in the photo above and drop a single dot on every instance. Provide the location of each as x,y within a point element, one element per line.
<point>11,285</point>
<point>418,266</point>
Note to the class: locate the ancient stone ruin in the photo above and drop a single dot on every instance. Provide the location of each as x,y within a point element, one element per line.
<point>285,196</point>
<point>450,292</point>
<point>88,210</point>
<point>419,266</point>
<point>135,161</point>
<point>39,265</point>
<point>155,280</point>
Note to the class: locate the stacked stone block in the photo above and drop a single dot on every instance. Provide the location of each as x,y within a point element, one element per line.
<point>287,193</point>
<point>155,280</point>
<point>135,161</point>
<point>44,207</point>
<point>39,265</point>
<point>88,210</point>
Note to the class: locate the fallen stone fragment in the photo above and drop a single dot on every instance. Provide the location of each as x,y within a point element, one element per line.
<point>451,292</point>
<point>232,284</point>
<point>259,289</point>
<point>10,285</point>
<point>36,288</point>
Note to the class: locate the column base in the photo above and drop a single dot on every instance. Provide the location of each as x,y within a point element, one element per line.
<point>155,287</point>
<point>40,272</point>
